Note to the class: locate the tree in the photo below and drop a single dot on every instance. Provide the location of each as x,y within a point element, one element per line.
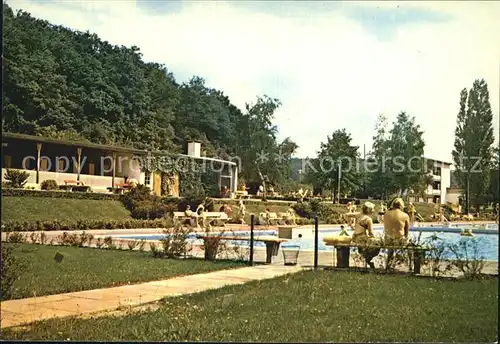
<point>263,158</point>
<point>494,189</point>
<point>472,152</point>
<point>379,177</point>
<point>337,151</point>
<point>407,165</point>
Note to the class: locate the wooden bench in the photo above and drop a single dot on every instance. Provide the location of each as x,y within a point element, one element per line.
<point>73,182</point>
<point>274,219</point>
<point>242,194</point>
<point>74,185</point>
<point>272,244</point>
<point>220,218</point>
<point>343,250</point>
<point>180,216</point>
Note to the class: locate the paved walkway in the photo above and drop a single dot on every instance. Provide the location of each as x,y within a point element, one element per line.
<point>24,311</point>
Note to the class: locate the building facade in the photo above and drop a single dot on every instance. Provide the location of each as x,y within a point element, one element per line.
<point>440,177</point>
<point>100,166</point>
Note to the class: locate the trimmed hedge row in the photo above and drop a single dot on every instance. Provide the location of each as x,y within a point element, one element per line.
<point>58,194</point>
<point>25,226</point>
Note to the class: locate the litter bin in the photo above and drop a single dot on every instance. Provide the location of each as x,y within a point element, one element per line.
<point>290,254</point>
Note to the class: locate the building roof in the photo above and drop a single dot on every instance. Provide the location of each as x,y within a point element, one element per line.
<point>439,161</point>
<point>110,148</point>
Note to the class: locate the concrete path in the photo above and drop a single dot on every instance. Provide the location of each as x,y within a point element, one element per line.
<point>24,311</point>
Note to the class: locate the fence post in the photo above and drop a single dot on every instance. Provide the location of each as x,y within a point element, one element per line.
<point>316,239</point>
<point>251,238</point>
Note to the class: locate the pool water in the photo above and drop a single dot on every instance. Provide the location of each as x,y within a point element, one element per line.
<point>488,243</point>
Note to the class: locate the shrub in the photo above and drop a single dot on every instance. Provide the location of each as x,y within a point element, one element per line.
<point>149,210</point>
<point>12,268</point>
<point>132,244</point>
<point>108,241</point>
<point>16,178</point>
<point>157,253</point>
<point>436,257</point>
<point>142,243</point>
<point>34,237</point>
<point>303,209</point>
<point>19,226</point>
<point>467,257</point>
<point>175,243</point>
<point>43,238</point>
<point>99,243</point>
<point>49,184</point>
<point>59,194</point>
<point>15,237</point>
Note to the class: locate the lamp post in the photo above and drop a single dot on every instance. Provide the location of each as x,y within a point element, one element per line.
<point>338,186</point>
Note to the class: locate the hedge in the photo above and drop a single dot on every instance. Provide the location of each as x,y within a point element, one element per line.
<point>24,226</point>
<point>58,194</point>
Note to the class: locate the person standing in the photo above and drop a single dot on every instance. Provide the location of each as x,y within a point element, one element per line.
<point>411,213</point>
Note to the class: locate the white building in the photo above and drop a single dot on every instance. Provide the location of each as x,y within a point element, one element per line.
<point>440,182</point>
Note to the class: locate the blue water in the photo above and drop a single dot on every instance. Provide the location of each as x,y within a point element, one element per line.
<point>487,243</point>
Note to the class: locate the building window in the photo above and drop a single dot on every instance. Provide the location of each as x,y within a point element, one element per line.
<point>436,171</point>
<point>147,178</point>
<point>436,186</point>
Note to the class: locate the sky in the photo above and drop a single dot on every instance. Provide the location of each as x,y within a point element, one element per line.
<point>333,65</point>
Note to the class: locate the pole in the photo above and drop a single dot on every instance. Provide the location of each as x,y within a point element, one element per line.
<point>338,186</point>
<point>364,170</point>
<point>251,238</point>
<point>468,197</point>
<point>316,241</point>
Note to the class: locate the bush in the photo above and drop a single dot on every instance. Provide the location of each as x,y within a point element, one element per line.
<point>175,243</point>
<point>143,205</point>
<point>59,194</point>
<point>49,184</point>
<point>303,209</point>
<point>16,178</point>
<point>24,226</point>
<point>11,270</point>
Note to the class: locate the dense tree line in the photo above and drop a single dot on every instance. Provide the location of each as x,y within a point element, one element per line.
<point>394,166</point>
<point>74,85</point>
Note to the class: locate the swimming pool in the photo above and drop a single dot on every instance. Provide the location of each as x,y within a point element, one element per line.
<point>488,243</point>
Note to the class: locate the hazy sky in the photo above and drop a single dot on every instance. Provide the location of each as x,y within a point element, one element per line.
<point>333,65</point>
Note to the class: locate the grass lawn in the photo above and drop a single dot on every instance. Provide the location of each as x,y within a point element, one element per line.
<point>88,268</point>
<point>321,306</point>
<point>69,209</point>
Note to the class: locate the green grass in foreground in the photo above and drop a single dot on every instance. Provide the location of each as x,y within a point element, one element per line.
<point>88,268</point>
<point>63,209</point>
<point>322,306</point>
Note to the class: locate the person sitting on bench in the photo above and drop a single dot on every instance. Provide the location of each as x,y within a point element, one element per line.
<point>396,224</point>
<point>363,233</point>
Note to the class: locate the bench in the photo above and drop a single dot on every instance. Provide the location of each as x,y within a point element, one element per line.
<point>274,219</point>
<point>220,218</point>
<point>272,244</point>
<point>73,185</point>
<point>242,194</point>
<point>342,251</point>
<point>181,217</point>
<point>73,182</point>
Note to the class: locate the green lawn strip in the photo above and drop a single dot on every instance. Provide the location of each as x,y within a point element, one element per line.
<point>63,209</point>
<point>88,268</point>
<point>308,306</point>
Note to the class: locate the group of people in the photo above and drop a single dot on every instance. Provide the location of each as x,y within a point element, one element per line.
<point>396,228</point>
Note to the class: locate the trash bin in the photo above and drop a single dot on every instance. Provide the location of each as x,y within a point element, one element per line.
<point>290,254</point>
